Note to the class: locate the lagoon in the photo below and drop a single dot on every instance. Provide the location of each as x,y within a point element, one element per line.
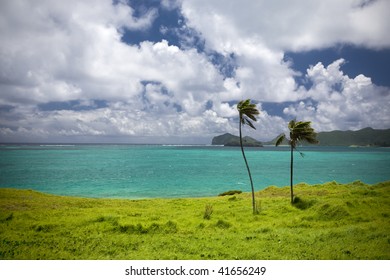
<point>150,171</point>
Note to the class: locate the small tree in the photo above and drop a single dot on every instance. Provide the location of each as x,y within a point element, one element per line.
<point>299,131</point>
<point>247,112</point>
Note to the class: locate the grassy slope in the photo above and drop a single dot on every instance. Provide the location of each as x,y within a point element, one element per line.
<point>332,221</point>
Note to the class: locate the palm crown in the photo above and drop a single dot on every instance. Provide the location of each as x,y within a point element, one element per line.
<point>299,132</point>
<point>247,112</point>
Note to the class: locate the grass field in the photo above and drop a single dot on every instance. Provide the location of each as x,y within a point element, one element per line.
<point>331,221</point>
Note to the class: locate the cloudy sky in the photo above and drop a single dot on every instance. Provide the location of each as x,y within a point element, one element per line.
<point>172,71</point>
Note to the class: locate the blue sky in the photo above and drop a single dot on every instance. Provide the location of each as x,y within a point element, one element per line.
<point>172,71</point>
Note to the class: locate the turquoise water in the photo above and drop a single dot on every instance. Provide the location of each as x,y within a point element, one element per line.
<point>142,171</point>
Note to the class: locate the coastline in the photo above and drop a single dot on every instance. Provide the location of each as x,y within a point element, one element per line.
<point>243,193</point>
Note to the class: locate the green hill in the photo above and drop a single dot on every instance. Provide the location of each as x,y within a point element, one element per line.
<point>364,137</point>
<point>228,139</point>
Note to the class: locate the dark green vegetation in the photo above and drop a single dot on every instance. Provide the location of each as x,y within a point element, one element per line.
<point>230,193</point>
<point>363,137</point>
<point>330,221</point>
<point>228,139</point>
<point>247,113</point>
<point>299,132</point>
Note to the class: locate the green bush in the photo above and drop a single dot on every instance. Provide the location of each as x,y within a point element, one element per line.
<point>233,192</point>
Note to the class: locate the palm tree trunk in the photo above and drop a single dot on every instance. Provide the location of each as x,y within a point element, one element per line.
<point>291,174</point>
<point>249,173</point>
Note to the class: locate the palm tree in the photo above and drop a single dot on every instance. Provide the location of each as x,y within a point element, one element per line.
<point>247,112</point>
<point>299,131</point>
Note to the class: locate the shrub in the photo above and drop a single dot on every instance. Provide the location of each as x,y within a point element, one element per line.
<point>302,204</point>
<point>223,224</point>
<point>233,192</point>
<point>208,211</point>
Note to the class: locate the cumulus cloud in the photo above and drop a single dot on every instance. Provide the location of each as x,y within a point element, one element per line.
<point>65,70</point>
<point>68,55</point>
<point>290,25</point>
<point>336,101</point>
<point>263,31</point>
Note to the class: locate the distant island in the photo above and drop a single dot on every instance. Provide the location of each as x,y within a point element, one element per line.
<point>228,139</point>
<point>364,137</point>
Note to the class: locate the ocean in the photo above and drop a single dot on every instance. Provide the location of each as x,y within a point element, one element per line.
<point>157,171</point>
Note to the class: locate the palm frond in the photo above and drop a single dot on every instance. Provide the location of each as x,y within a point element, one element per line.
<point>302,154</point>
<point>250,124</point>
<point>302,125</point>
<point>251,115</point>
<point>280,139</point>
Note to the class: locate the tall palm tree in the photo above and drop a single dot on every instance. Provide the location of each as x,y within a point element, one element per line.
<point>299,131</point>
<point>247,112</point>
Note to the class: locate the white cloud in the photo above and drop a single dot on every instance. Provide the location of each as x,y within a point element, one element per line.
<point>259,32</point>
<point>72,51</point>
<point>290,25</point>
<point>79,55</point>
<point>337,101</point>
<point>262,31</point>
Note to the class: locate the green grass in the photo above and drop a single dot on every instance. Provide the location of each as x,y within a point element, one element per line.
<point>330,221</point>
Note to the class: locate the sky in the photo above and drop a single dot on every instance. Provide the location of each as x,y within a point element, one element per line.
<point>172,71</point>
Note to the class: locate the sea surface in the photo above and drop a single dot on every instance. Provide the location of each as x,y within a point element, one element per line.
<point>150,171</point>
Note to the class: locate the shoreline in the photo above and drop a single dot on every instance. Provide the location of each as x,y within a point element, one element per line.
<point>301,184</point>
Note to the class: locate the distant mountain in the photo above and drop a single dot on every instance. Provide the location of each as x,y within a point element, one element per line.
<point>228,139</point>
<point>364,137</point>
